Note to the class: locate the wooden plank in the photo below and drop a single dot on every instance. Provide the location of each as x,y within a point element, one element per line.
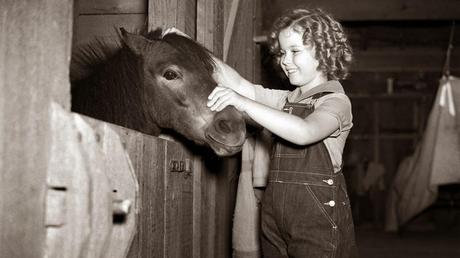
<point>172,13</point>
<point>162,13</point>
<point>197,206</point>
<point>106,26</point>
<point>422,59</point>
<point>208,212</point>
<point>68,177</point>
<point>371,10</point>
<point>178,203</point>
<point>229,27</point>
<point>403,34</point>
<point>34,45</point>
<point>124,191</point>
<point>99,197</point>
<point>242,47</point>
<point>147,156</point>
<point>210,25</point>
<point>112,7</point>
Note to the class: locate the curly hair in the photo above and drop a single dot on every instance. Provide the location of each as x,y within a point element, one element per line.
<point>321,31</point>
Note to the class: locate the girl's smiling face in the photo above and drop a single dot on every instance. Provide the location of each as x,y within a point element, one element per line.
<point>298,60</point>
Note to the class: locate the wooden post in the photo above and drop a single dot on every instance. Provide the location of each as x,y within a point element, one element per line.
<point>34,66</point>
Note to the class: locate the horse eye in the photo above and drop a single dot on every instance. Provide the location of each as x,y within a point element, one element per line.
<point>170,75</point>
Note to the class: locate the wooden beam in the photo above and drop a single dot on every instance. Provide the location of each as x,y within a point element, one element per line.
<point>35,53</point>
<point>355,10</point>
<point>112,6</point>
<point>412,59</point>
<point>229,27</point>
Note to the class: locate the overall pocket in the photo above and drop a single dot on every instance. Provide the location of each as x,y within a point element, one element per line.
<point>324,198</point>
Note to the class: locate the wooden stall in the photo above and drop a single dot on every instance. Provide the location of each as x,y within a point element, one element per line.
<point>73,186</point>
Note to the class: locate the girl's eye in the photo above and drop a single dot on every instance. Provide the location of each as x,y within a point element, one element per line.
<point>170,75</point>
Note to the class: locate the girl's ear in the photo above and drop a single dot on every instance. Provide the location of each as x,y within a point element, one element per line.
<point>135,42</point>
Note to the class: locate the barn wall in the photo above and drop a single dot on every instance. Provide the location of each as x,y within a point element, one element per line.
<point>103,18</point>
<point>34,53</point>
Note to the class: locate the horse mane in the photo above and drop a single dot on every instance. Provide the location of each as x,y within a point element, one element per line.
<point>88,58</point>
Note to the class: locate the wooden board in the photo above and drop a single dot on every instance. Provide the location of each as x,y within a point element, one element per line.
<point>147,156</point>
<point>178,202</point>
<point>105,26</point>
<point>34,53</point>
<point>411,59</point>
<point>242,47</point>
<point>112,6</point>
<point>352,10</point>
<point>168,13</point>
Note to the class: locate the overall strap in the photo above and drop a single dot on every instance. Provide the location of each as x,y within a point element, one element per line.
<point>320,94</point>
<point>313,97</point>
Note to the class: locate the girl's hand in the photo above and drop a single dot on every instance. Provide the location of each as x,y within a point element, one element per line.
<point>221,97</point>
<point>228,77</point>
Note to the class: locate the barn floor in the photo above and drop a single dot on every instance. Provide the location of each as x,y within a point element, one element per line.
<point>423,242</point>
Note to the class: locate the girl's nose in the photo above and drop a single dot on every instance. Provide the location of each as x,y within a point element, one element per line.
<point>286,59</point>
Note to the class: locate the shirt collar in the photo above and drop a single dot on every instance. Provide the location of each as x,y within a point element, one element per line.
<point>329,86</point>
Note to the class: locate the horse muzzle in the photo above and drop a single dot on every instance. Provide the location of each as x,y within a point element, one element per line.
<point>227,132</point>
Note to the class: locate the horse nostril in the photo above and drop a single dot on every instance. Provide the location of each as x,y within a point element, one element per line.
<point>224,126</point>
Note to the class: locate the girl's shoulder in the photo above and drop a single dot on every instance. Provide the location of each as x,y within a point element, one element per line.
<point>332,97</point>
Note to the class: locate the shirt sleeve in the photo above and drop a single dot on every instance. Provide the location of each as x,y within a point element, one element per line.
<point>272,98</point>
<point>339,106</point>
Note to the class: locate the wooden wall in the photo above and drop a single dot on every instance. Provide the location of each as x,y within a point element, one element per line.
<point>103,18</point>
<point>34,53</point>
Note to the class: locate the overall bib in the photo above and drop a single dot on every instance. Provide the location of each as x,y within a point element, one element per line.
<point>305,209</point>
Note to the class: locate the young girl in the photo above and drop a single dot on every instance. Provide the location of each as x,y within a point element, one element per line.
<point>305,209</point>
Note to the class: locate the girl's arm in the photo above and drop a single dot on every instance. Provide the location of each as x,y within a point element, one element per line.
<point>315,127</point>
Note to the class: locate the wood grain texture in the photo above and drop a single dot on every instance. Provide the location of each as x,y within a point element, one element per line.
<point>242,47</point>
<point>112,6</point>
<point>147,157</point>
<point>124,190</point>
<point>353,10</point>
<point>34,57</point>
<point>105,26</point>
<point>173,13</point>
<point>178,204</point>
<point>70,176</point>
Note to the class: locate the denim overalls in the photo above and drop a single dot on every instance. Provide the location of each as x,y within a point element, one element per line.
<point>305,209</point>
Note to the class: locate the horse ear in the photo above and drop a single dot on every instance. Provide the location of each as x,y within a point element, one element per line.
<point>135,42</point>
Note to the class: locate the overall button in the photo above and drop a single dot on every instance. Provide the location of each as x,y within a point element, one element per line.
<point>330,203</point>
<point>328,181</point>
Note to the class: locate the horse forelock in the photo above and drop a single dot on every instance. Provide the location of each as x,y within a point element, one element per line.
<point>195,52</point>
